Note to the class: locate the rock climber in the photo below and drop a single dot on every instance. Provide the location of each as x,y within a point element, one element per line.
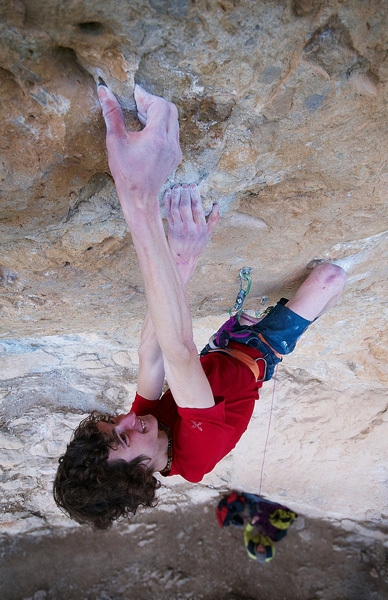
<point>108,468</point>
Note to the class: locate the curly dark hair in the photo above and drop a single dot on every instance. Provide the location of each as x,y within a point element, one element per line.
<point>96,492</point>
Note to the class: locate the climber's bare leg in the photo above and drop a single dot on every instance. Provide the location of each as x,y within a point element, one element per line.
<point>317,294</point>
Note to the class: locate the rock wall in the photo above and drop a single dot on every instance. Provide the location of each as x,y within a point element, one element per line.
<point>283,112</point>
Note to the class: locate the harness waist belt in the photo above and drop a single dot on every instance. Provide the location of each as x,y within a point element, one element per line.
<point>246,359</point>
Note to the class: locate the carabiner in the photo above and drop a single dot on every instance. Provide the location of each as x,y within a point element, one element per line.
<point>244,276</point>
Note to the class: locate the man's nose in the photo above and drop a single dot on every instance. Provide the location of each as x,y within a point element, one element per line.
<point>126,421</point>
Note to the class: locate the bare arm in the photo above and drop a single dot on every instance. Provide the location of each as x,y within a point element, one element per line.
<point>188,235</point>
<point>151,374</point>
<point>140,162</point>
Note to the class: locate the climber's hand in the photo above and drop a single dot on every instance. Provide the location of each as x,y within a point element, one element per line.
<point>188,229</point>
<point>140,162</point>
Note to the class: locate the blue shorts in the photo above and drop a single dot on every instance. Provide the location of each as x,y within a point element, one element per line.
<point>281,328</point>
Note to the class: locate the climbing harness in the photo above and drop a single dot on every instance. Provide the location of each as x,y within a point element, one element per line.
<point>244,276</point>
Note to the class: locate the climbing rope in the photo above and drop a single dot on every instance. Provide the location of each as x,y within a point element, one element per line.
<point>269,427</point>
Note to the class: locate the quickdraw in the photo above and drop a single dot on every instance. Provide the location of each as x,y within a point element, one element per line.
<point>244,277</point>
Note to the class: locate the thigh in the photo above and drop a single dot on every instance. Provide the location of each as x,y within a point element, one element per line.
<point>319,291</point>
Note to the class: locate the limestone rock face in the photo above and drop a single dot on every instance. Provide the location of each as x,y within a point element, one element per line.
<point>283,113</point>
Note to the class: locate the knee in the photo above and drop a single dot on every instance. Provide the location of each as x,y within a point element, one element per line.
<point>333,276</point>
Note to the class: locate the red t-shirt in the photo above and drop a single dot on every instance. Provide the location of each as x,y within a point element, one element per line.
<point>203,436</point>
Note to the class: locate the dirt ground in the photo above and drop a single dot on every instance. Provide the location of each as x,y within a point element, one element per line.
<point>186,555</point>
